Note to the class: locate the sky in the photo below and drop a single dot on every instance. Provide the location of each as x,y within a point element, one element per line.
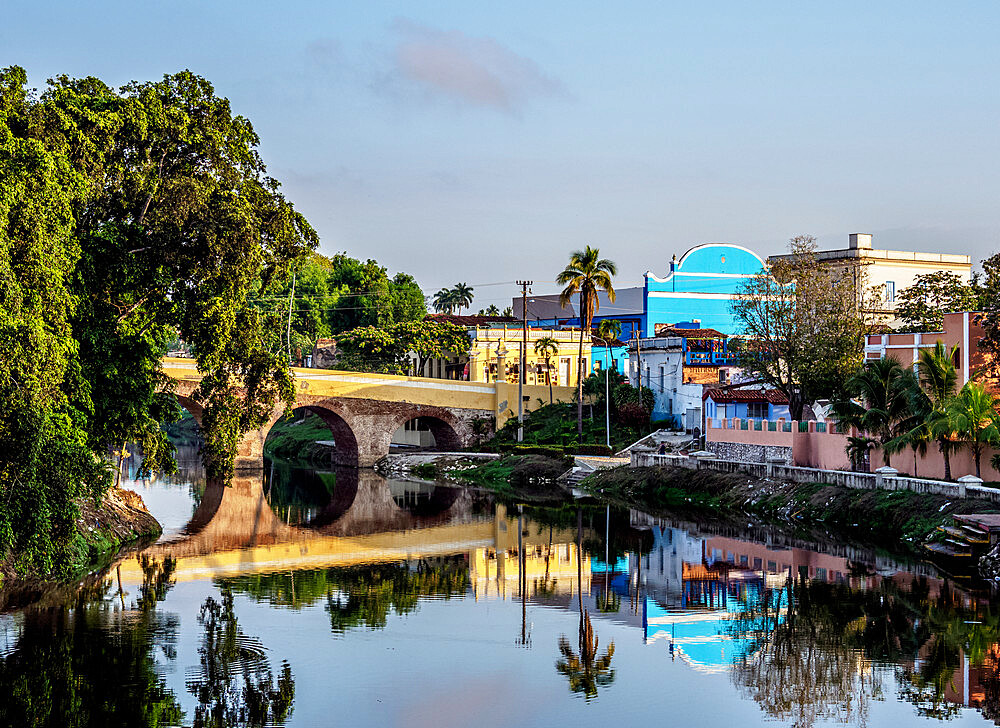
<point>482,143</point>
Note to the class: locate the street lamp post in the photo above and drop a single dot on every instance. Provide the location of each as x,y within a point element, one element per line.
<point>607,399</point>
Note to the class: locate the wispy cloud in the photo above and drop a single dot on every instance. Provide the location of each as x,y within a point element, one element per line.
<point>478,71</point>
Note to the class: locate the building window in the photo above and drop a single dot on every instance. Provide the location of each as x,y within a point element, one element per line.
<point>757,410</point>
<point>890,291</point>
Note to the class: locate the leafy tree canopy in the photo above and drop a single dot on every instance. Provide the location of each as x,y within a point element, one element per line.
<point>128,217</point>
<point>386,350</point>
<point>805,324</point>
<point>921,307</point>
<point>339,293</point>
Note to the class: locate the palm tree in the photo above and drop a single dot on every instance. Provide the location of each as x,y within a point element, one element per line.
<point>609,330</point>
<point>462,295</point>
<point>880,387</point>
<point>913,430</point>
<point>444,301</point>
<point>936,384</point>
<point>939,379</point>
<point>547,347</point>
<point>586,273</point>
<point>972,417</point>
<point>857,450</point>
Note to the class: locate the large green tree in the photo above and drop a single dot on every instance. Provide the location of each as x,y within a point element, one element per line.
<point>989,319</point>
<point>805,323</point>
<point>388,349</point>
<point>371,297</point>
<point>45,464</point>
<point>128,217</point>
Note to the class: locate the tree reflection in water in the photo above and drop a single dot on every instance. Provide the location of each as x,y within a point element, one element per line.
<point>586,671</point>
<point>816,651</point>
<point>235,686</point>
<point>797,666</point>
<point>360,596</point>
<point>80,665</point>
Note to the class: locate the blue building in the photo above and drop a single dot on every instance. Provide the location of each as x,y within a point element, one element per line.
<point>697,290</point>
<point>700,287</point>
<point>755,404</point>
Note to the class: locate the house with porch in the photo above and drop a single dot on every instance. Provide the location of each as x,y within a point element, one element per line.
<point>745,404</point>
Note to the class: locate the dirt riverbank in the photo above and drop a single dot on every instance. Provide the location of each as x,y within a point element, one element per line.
<point>119,524</point>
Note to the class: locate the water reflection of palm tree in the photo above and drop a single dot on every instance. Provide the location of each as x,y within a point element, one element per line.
<point>586,671</point>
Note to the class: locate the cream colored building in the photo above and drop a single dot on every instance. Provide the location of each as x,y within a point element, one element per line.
<point>890,271</point>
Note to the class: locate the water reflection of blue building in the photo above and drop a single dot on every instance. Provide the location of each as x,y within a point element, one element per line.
<point>689,604</point>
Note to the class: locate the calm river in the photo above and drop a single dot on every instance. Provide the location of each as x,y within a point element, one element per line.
<point>312,598</point>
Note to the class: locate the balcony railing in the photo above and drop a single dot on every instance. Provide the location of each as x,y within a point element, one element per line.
<point>709,358</point>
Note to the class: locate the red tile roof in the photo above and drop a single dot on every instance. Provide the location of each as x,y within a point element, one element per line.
<point>690,333</point>
<point>472,320</point>
<point>728,396</point>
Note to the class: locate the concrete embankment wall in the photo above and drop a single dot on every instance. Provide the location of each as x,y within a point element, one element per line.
<point>799,474</point>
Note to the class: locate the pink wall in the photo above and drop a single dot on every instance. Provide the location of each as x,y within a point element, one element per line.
<point>931,465</point>
<point>729,433</point>
<point>828,450</point>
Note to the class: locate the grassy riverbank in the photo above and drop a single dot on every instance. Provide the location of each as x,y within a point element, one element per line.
<point>884,517</point>
<point>296,438</point>
<point>103,531</point>
<point>529,477</point>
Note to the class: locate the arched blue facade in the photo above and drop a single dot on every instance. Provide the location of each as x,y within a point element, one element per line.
<point>700,286</point>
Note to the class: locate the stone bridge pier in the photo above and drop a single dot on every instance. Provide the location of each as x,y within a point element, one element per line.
<point>361,428</point>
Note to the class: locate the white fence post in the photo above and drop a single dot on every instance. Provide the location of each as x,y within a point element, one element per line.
<point>965,481</point>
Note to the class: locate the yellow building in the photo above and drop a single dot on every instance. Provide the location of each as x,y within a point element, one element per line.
<point>495,354</point>
<point>890,271</point>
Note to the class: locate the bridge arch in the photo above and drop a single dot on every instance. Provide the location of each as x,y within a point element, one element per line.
<point>345,440</point>
<point>444,434</point>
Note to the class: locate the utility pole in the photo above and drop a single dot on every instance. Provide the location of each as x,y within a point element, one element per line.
<point>638,363</point>
<point>522,374</point>
<point>290,299</point>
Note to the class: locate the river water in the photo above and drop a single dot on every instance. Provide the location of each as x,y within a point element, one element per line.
<point>314,598</point>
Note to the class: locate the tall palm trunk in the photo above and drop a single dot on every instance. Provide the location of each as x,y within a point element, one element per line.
<point>579,373</point>
<point>548,377</point>
<point>947,458</point>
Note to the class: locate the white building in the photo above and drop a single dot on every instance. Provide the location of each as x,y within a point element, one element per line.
<point>661,361</point>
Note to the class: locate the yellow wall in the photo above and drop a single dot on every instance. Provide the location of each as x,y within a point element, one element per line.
<point>486,342</point>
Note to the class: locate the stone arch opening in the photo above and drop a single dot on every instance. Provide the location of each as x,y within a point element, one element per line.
<point>313,434</point>
<point>423,432</point>
<point>308,497</point>
<point>423,499</point>
<point>185,434</point>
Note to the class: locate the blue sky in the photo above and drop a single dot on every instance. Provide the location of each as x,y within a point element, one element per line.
<point>483,142</point>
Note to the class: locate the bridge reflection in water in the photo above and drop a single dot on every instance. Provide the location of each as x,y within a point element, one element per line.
<point>267,521</point>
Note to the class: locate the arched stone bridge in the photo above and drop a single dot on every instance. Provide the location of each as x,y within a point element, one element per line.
<point>234,531</point>
<point>364,410</point>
